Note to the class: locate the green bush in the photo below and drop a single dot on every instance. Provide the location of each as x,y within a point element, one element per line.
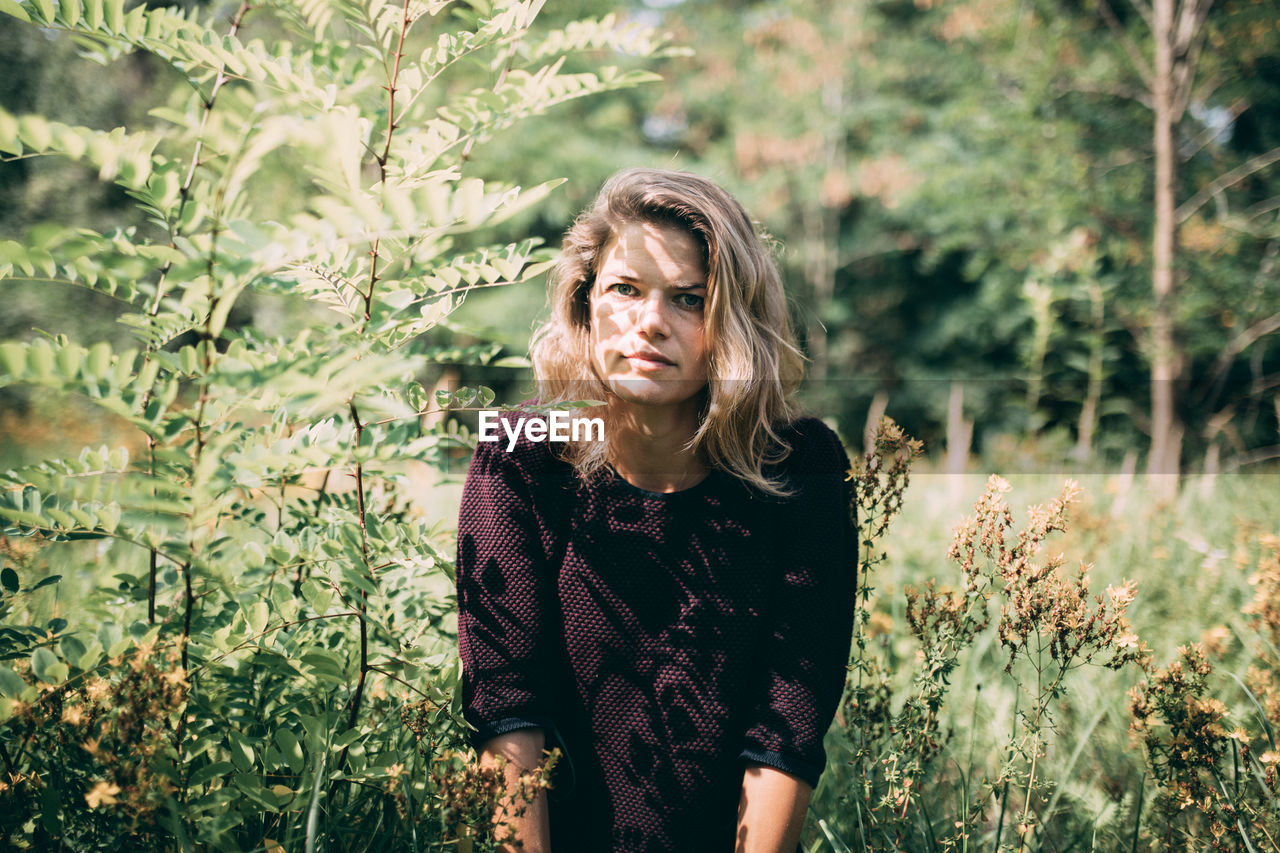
<point>232,628</point>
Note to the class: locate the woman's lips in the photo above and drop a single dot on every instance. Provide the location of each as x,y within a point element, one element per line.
<point>649,361</point>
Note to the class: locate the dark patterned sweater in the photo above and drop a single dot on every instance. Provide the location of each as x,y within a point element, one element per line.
<point>663,641</point>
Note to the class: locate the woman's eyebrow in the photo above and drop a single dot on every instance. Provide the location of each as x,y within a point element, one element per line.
<point>629,278</point>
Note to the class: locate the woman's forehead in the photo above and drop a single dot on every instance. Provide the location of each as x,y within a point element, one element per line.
<point>642,249</point>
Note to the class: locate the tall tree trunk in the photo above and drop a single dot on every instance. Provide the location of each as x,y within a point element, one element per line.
<point>1165,428</point>
<point>822,227</point>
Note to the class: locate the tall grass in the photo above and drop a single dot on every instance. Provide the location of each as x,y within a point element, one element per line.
<point>1163,740</point>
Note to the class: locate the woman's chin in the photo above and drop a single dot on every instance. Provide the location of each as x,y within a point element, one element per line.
<point>652,391</point>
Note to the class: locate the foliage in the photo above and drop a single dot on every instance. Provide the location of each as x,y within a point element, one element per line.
<point>962,189</point>
<point>1048,626</point>
<point>253,602</point>
<point>1218,777</point>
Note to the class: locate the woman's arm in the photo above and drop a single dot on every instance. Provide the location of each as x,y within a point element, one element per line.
<point>522,750</point>
<point>771,811</point>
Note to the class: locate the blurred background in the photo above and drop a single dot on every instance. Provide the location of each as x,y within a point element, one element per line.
<point>963,195</point>
<point>1042,235</point>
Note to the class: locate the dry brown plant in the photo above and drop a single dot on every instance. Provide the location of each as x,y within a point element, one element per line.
<point>115,739</point>
<point>1046,619</point>
<point>1216,767</point>
<point>470,801</point>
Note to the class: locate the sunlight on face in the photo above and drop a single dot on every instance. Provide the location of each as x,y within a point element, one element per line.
<point>647,324</point>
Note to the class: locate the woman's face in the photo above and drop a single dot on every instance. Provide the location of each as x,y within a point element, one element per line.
<point>647,321</point>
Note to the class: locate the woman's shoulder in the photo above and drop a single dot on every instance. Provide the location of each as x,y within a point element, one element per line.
<point>812,444</point>
<point>520,441</point>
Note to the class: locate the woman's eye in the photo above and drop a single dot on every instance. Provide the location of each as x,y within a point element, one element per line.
<point>623,289</point>
<point>690,300</point>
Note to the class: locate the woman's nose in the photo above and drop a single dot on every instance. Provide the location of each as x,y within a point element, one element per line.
<point>653,317</point>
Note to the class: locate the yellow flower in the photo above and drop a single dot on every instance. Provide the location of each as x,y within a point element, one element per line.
<point>102,794</point>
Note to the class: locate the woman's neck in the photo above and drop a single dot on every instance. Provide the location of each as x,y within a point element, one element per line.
<point>650,447</point>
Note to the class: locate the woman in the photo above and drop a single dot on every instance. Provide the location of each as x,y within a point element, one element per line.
<point>671,606</point>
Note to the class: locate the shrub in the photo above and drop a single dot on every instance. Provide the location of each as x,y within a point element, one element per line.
<point>899,784</point>
<point>252,600</point>
<point>1217,769</point>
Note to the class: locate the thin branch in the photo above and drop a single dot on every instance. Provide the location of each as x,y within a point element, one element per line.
<point>1190,26</point>
<point>1268,263</point>
<point>1187,46</point>
<point>1113,90</point>
<point>1242,341</point>
<point>1203,93</point>
<point>71,281</point>
<point>363,607</point>
<point>1229,179</point>
<point>1262,208</point>
<point>1262,454</point>
<point>393,80</point>
<point>1234,347</point>
<point>1210,132</point>
<point>1135,55</point>
<point>271,630</point>
<point>185,190</point>
<point>1144,9</point>
<point>382,671</point>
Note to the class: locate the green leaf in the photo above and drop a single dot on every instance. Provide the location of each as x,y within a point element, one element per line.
<point>325,665</point>
<point>115,15</point>
<point>290,750</point>
<point>241,752</point>
<point>318,594</point>
<point>46,666</point>
<point>9,7</point>
<point>71,648</point>
<point>13,357</point>
<point>11,684</point>
<point>40,359</point>
<point>210,772</point>
<point>256,615</point>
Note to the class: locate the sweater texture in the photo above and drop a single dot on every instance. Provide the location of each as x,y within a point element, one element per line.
<point>662,641</point>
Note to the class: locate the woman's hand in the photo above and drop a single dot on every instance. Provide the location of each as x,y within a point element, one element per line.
<point>771,811</point>
<point>522,750</point>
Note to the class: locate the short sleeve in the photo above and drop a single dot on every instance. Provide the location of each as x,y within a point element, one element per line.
<point>505,604</point>
<point>806,654</point>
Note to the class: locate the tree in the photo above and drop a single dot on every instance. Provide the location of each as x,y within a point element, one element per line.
<point>984,190</point>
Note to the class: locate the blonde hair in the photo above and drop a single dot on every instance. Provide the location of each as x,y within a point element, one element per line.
<point>754,364</point>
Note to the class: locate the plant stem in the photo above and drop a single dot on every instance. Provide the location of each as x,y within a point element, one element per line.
<point>382,158</point>
<point>362,608</point>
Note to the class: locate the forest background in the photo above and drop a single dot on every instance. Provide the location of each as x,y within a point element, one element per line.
<point>1042,236</point>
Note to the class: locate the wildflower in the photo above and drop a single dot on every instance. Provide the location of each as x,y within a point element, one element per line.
<point>102,794</point>
<point>880,623</point>
<point>1120,595</point>
<point>1127,641</point>
<point>96,690</point>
